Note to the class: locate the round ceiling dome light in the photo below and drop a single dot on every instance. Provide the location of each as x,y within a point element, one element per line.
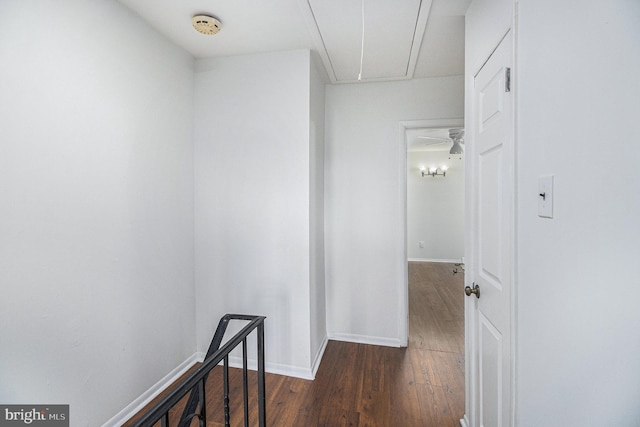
<point>206,24</point>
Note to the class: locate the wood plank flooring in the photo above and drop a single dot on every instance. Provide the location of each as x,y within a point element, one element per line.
<point>366,385</point>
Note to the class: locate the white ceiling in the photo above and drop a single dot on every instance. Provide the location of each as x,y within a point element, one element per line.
<point>403,38</point>
<point>390,31</point>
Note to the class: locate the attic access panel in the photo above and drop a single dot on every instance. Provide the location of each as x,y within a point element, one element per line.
<point>393,35</point>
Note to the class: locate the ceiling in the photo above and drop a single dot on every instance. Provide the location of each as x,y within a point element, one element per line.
<point>403,39</point>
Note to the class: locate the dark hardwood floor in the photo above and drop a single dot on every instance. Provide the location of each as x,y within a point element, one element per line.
<point>366,385</point>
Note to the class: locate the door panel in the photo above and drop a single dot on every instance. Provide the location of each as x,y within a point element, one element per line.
<point>490,346</point>
<point>491,98</point>
<point>489,166</point>
<point>493,160</point>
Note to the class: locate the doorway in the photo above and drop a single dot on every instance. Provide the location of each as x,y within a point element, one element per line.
<point>434,252</point>
<point>406,128</point>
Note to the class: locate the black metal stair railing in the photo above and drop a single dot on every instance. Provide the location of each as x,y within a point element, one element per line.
<point>195,383</point>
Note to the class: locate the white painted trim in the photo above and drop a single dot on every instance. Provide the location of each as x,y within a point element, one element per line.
<point>365,339</point>
<point>318,358</point>
<point>470,372</point>
<point>273,368</point>
<point>450,261</point>
<point>290,371</point>
<point>314,31</point>
<point>464,422</point>
<point>146,397</point>
<point>516,166</point>
<point>198,357</point>
<point>321,48</point>
<point>421,27</point>
<point>403,282</point>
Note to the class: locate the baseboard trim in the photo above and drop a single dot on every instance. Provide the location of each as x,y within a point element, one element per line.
<point>450,261</point>
<point>464,422</point>
<point>273,368</point>
<point>365,339</point>
<point>146,397</point>
<point>198,357</point>
<point>290,371</point>
<point>318,358</point>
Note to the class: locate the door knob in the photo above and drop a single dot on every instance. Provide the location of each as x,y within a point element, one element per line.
<point>475,290</point>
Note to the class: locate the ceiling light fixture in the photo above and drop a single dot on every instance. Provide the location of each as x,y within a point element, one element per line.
<point>433,171</point>
<point>206,24</point>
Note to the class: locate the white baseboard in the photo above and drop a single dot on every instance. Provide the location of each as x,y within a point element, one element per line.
<point>365,339</point>
<point>450,261</point>
<point>464,422</point>
<point>276,368</point>
<point>198,357</point>
<point>146,397</point>
<point>273,368</point>
<point>318,358</point>
<point>290,371</point>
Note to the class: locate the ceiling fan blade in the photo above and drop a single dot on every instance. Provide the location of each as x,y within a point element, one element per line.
<point>429,143</point>
<point>435,138</point>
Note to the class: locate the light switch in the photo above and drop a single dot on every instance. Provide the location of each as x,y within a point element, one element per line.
<point>545,196</point>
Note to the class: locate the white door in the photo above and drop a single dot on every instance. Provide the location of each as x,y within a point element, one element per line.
<point>493,230</point>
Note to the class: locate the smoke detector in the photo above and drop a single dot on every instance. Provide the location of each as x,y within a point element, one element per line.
<point>206,24</point>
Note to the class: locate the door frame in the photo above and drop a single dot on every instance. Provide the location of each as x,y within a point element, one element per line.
<point>403,286</point>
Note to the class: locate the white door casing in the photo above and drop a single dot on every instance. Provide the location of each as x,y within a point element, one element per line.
<point>492,252</point>
<point>403,286</point>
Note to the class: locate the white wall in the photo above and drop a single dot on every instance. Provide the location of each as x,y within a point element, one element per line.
<point>577,119</point>
<point>252,189</point>
<point>96,254</point>
<point>435,207</point>
<point>364,199</point>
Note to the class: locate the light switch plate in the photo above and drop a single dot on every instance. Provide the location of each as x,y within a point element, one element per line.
<point>545,196</point>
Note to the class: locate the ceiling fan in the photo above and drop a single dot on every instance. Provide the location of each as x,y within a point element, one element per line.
<point>456,136</point>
